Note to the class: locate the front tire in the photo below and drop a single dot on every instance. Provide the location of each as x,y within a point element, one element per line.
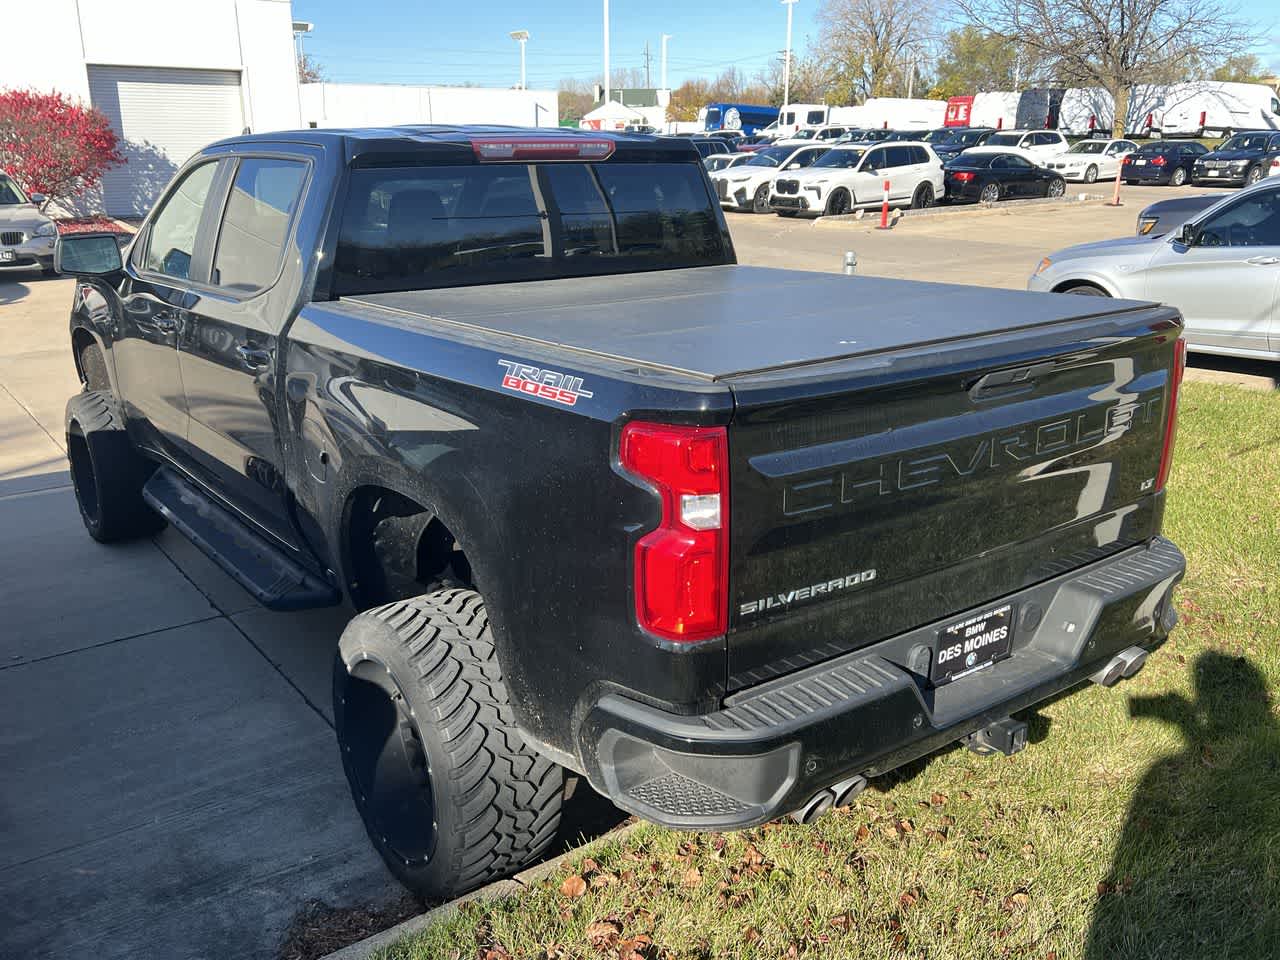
<point>1253,176</point>
<point>1091,174</point>
<point>923,197</point>
<point>839,203</point>
<point>760,202</point>
<point>450,794</point>
<point>1085,290</point>
<point>107,473</point>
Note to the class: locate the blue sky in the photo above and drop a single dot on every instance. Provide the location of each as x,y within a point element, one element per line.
<point>432,42</point>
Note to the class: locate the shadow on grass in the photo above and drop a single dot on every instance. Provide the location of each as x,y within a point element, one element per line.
<point>1196,872</point>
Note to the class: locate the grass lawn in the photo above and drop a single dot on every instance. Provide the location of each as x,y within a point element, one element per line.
<point>1144,821</point>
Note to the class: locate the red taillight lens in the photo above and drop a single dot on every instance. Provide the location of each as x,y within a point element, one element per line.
<point>1128,158</point>
<point>964,176</point>
<point>540,148</point>
<point>682,567</point>
<point>1171,420</point>
<point>1157,161</point>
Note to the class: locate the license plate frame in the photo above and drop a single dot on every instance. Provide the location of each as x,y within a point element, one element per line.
<point>7,256</point>
<point>957,654</point>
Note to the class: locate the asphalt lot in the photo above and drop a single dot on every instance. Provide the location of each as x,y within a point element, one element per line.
<point>171,786</point>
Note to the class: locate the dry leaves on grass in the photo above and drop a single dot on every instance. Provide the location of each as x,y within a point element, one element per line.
<point>573,886</point>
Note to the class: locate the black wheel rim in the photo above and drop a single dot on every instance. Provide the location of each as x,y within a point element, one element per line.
<point>385,757</point>
<point>926,196</point>
<point>83,477</point>
<point>840,203</point>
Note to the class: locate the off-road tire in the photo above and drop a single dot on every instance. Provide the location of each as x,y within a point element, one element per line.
<point>107,473</point>
<point>421,676</point>
<point>760,199</point>
<point>923,197</point>
<point>94,367</point>
<point>1178,177</point>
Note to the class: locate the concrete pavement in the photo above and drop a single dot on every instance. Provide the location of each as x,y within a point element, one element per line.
<point>171,786</point>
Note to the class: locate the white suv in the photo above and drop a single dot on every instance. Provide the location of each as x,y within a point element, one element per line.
<point>827,133</point>
<point>852,176</point>
<point>745,186</point>
<point>1038,146</point>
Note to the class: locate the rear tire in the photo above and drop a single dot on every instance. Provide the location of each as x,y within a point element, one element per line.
<point>760,202</point>
<point>107,473</point>
<point>1057,187</point>
<point>450,794</point>
<point>990,193</point>
<point>1178,177</point>
<point>923,197</point>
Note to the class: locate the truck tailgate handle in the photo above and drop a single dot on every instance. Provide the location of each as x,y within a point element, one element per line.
<point>1005,383</point>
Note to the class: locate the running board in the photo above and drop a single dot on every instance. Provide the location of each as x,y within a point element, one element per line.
<point>274,579</point>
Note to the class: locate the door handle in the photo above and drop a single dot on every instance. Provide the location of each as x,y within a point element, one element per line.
<point>1263,261</point>
<point>253,357</point>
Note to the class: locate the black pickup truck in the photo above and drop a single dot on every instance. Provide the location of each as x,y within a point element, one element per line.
<point>724,541</point>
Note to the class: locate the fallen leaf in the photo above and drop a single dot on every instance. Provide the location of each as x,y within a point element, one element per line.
<point>842,921</point>
<point>938,799</point>
<point>573,886</point>
<point>750,934</point>
<point>495,953</point>
<point>862,833</point>
<point>603,934</point>
<point>966,795</point>
<point>692,877</point>
<point>909,898</point>
<point>1016,901</point>
<point>589,866</point>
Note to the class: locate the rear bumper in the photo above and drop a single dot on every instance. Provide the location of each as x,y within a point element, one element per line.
<point>771,748</point>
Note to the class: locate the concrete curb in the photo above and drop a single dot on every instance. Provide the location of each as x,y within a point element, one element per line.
<point>1004,207</point>
<point>367,947</point>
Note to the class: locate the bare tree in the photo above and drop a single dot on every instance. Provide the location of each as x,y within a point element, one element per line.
<point>309,69</point>
<point>1115,44</point>
<point>872,47</point>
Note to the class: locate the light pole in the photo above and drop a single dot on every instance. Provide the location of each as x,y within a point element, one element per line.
<point>607,96</point>
<point>786,66</point>
<point>665,38</point>
<point>521,37</point>
<point>300,28</point>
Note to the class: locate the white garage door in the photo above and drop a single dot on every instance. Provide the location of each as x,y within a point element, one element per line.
<point>162,117</point>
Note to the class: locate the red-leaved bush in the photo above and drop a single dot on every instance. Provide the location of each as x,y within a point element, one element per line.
<point>53,145</point>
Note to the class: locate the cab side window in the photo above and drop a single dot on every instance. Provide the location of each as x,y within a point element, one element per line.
<point>1254,221</point>
<point>172,239</point>
<point>259,210</point>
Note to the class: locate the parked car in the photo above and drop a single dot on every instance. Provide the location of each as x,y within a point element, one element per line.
<point>851,177</point>
<point>1220,268</point>
<point>828,133</point>
<point>1038,146</point>
<point>862,135</point>
<point>746,185</point>
<point>1166,162</point>
<point>1243,159</point>
<point>931,137</point>
<point>720,541</point>
<point>991,177</point>
<point>722,161</point>
<point>733,136</point>
<point>961,139</point>
<point>1165,216</point>
<point>1089,160</point>
<point>707,146</point>
<point>27,236</point>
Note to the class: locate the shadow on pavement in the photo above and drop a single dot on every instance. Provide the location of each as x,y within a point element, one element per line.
<point>11,291</point>
<point>1196,872</point>
<point>1236,366</point>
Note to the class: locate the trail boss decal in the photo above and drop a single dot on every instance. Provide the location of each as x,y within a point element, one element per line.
<point>780,601</point>
<point>545,384</point>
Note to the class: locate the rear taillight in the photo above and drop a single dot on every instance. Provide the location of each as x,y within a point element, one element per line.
<point>964,176</point>
<point>1171,419</point>
<point>682,567</point>
<point>1128,158</point>
<point>1157,161</point>
<point>540,148</point>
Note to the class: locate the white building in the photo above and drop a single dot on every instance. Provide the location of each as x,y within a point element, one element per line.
<point>171,75</point>
<point>391,104</point>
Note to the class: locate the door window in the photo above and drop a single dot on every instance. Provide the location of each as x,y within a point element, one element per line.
<point>1016,162</point>
<point>898,157</point>
<point>263,199</point>
<point>919,155</point>
<point>805,157</point>
<point>1252,222</point>
<point>172,240</point>
<point>876,160</point>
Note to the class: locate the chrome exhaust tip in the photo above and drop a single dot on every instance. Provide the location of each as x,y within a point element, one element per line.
<point>1122,666</point>
<point>846,790</point>
<point>817,805</point>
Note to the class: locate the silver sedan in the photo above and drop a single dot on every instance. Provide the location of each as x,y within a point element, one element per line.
<point>1221,269</point>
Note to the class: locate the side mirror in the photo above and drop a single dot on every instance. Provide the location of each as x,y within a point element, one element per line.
<point>1188,235</point>
<point>793,166</point>
<point>87,255</point>
<point>37,198</point>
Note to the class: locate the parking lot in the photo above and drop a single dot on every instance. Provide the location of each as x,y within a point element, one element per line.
<point>172,787</point>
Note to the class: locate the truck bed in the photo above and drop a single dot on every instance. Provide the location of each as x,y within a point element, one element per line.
<point>720,322</point>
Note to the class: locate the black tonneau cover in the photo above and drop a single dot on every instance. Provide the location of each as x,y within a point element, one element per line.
<point>723,321</point>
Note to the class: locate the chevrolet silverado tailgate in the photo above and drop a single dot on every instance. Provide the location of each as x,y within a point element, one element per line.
<point>877,493</point>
